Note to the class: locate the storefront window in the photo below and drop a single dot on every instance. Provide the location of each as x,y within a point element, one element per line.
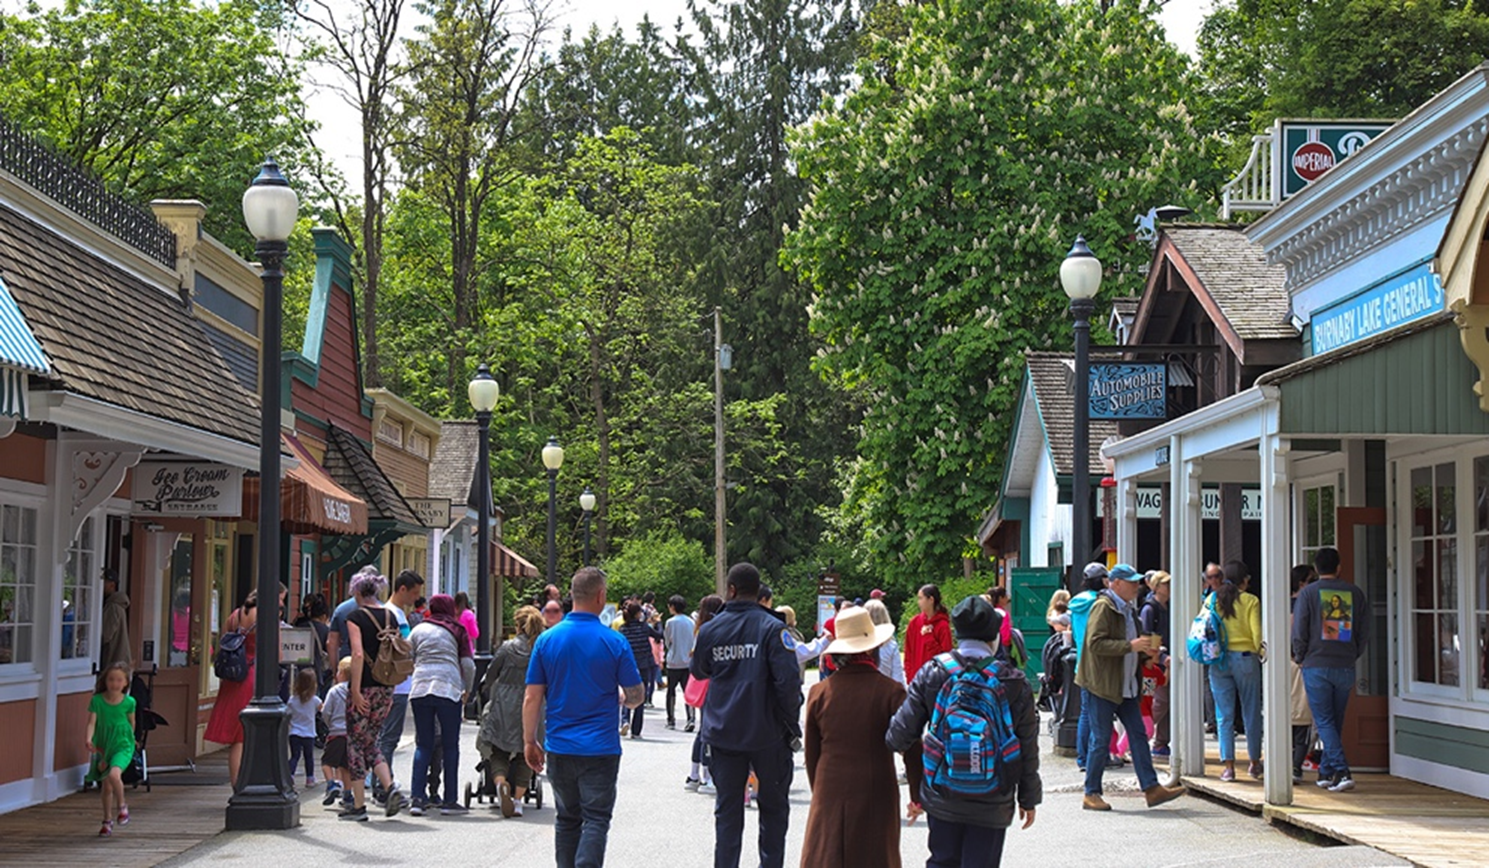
<point>177,626</point>
<point>79,580</point>
<point>17,583</point>
<point>1437,647</point>
<point>1481,563</point>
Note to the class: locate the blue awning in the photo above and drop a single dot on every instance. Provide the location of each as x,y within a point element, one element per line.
<point>19,348</point>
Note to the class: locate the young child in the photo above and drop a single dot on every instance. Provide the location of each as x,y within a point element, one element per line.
<point>303,705</point>
<point>111,742</point>
<point>333,758</point>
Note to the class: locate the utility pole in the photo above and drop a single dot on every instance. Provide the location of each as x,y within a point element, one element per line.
<point>721,361</point>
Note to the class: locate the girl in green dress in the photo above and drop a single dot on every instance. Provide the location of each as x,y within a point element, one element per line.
<point>111,741</point>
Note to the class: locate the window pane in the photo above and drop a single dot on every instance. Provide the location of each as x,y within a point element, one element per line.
<point>10,523</point>
<point>28,527</point>
<point>1447,510</point>
<point>1449,649</point>
<point>1421,501</point>
<point>1423,565</point>
<point>1447,573</point>
<point>1483,651</point>
<point>1310,518</point>
<point>1425,641</point>
<point>1481,494</point>
<point>1481,603</point>
<point>1326,515</point>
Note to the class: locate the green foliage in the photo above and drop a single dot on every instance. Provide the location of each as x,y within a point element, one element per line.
<point>665,563</point>
<point>1264,59</point>
<point>162,99</point>
<point>945,192</point>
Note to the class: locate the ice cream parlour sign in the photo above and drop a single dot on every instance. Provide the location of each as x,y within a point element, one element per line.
<point>191,489</point>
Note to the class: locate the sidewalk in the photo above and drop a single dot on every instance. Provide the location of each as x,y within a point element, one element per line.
<point>1425,825</point>
<point>182,810</point>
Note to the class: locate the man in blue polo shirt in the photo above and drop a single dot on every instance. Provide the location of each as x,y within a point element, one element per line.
<point>577,668</point>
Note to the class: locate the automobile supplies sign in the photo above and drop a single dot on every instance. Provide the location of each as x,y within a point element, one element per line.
<point>1403,298</point>
<point>1310,148</point>
<point>1128,391</point>
<point>192,489</point>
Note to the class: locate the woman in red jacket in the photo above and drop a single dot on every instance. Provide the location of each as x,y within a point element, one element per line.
<point>929,633</point>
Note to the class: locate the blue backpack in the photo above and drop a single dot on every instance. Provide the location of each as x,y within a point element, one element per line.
<point>970,747</point>
<point>1208,643</point>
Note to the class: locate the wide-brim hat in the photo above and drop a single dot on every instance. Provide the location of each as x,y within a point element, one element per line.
<point>855,632</point>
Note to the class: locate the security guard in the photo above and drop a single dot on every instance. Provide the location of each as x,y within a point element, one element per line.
<point>750,716</point>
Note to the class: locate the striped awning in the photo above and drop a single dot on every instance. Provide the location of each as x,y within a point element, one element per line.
<point>19,348</point>
<point>509,564</point>
<point>310,501</point>
<point>13,386</point>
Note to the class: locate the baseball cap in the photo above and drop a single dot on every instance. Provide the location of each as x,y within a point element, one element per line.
<point>1095,570</point>
<point>1125,573</point>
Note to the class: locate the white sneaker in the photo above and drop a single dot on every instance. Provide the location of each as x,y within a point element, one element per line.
<point>1343,785</point>
<point>708,789</point>
<point>691,785</point>
<point>517,809</point>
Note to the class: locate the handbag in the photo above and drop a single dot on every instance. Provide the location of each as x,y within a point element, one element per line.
<point>695,692</point>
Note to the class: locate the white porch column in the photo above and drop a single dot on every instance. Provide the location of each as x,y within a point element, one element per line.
<point>1186,696</point>
<point>1127,520</point>
<point>1276,569</point>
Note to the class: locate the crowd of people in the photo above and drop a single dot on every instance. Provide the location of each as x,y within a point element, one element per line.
<point>952,705</point>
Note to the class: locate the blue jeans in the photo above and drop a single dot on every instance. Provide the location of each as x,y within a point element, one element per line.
<point>430,711</point>
<point>962,845</point>
<point>1241,677</point>
<point>1130,712</point>
<point>1328,696</point>
<point>584,797</point>
<point>1083,731</point>
<point>773,768</point>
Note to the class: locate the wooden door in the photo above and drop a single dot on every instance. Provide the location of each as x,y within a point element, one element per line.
<point>1029,591</point>
<point>1362,553</point>
<point>178,551</point>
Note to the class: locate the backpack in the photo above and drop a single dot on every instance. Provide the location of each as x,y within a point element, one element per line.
<point>970,747</point>
<point>1207,642</point>
<point>1052,659</point>
<point>395,654</point>
<point>230,663</point>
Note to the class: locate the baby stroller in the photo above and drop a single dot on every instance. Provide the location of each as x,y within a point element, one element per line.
<point>142,688</point>
<point>486,792</point>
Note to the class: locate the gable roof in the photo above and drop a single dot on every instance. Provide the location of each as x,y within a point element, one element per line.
<point>452,470</point>
<point>1050,374</point>
<point>350,464</point>
<point>112,337</point>
<point>1249,293</point>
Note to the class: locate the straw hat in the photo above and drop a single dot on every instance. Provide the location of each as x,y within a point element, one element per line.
<point>856,632</point>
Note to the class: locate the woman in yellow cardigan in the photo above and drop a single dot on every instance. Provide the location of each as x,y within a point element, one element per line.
<point>1240,675</point>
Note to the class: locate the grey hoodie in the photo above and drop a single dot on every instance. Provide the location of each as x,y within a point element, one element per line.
<point>1331,624</point>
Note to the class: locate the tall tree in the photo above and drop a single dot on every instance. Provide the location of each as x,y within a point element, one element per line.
<point>362,44</point>
<point>160,98</point>
<point>470,66</point>
<point>945,192</point>
<point>761,67</point>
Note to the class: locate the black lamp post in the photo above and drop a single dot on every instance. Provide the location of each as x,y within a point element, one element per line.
<point>263,795</point>
<point>1080,277</point>
<point>587,503</point>
<point>483,392</point>
<point>553,459</point>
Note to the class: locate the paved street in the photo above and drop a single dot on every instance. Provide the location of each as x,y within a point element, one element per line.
<point>657,822</point>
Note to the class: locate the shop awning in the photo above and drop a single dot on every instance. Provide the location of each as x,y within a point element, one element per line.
<point>350,463</point>
<point>310,501</point>
<point>508,564</point>
<point>19,348</point>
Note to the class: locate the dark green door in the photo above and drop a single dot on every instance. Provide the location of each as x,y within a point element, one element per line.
<point>1031,589</point>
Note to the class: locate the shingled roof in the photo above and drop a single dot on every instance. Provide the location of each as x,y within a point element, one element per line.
<point>115,338</point>
<point>1250,292</point>
<point>454,463</point>
<point>1051,374</point>
<point>350,463</point>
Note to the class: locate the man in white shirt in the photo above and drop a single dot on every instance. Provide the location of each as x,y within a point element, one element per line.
<point>678,635</point>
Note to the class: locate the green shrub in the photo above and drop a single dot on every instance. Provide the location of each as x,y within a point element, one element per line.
<point>665,563</point>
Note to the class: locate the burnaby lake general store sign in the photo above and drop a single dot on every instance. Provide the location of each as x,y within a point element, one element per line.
<point>187,488</point>
<point>1402,298</point>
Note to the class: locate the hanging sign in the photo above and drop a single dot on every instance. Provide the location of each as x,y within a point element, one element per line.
<point>1395,301</point>
<point>1128,391</point>
<point>1310,148</point>
<point>432,511</point>
<point>296,646</point>
<point>193,489</point>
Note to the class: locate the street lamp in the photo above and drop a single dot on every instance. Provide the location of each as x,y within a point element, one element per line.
<point>483,391</point>
<point>553,459</point>
<point>263,795</point>
<point>1080,277</point>
<point>587,503</point>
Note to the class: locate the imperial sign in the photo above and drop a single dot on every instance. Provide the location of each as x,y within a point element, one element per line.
<point>187,488</point>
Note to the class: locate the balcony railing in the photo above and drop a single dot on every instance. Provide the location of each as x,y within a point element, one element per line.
<point>75,189</point>
<point>1254,188</point>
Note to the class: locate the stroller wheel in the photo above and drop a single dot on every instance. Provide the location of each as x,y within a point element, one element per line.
<point>470,794</point>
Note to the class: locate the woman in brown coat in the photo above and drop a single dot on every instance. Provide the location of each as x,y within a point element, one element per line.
<point>854,820</point>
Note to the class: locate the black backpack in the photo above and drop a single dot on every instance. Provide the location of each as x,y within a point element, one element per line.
<point>230,663</point>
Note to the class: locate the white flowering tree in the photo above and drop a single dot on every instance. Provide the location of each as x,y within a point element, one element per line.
<point>945,191</point>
